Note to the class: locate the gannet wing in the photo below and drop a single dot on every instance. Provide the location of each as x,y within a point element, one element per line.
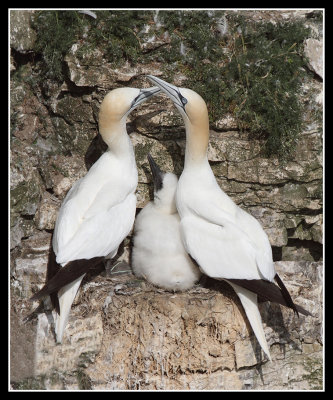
<point>237,235</point>
<point>93,241</point>
<point>220,251</point>
<point>68,218</point>
<point>100,233</point>
<point>86,200</point>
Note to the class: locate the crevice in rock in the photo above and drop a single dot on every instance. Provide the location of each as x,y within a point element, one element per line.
<point>21,59</point>
<point>73,89</point>
<point>315,249</point>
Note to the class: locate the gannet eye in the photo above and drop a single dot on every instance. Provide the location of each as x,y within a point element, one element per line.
<point>182,99</point>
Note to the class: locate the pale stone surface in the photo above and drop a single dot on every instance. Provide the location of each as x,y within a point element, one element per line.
<point>47,212</point>
<point>125,334</point>
<point>29,264</point>
<point>314,51</point>
<point>82,341</point>
<point>22,37</point>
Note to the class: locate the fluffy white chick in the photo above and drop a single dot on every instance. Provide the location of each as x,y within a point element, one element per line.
<point>158,254</point>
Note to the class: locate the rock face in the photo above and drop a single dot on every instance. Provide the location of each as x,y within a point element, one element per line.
<point>124,334</point>
<point>193,340</point>
<point>314,52</point>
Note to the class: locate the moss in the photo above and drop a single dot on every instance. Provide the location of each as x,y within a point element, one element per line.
<point>266,73</point>
<point>56,32</point>
<point>141,151</point>
<point>30,384</point>
<point>314,374</point>
<point>116,32</point>
<point>83,380</point>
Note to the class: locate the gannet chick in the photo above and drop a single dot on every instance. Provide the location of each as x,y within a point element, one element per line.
<point>158,254</point>
<point>225,241</point>
<point>98,211</point>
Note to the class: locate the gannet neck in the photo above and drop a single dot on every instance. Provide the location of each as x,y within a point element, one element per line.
<point>193,109</point>
<point>113,129</point>
<point>197,138</point>
<point>116,137</point>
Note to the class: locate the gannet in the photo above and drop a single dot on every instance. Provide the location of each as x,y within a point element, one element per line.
<point>226,242</point>
<point>158,254</point>
<point>98,211</point>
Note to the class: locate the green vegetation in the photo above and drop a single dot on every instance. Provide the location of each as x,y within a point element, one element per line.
<point>117,34</point>
<point>314,376</point>
<point>56,33</point>
<point>113,31</point>
<point>254,70</point>
<point>263,82</point>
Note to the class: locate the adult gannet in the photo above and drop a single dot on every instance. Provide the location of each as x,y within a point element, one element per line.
<point>158,254</point>
<point>98,211</point>
<point>225,241</point>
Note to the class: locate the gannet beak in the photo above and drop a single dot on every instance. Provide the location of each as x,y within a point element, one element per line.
<point>171,91</point>
<point>143,96</point>
<point>157,174</point>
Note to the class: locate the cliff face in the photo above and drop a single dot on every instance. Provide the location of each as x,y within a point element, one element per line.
<point>193,340</point>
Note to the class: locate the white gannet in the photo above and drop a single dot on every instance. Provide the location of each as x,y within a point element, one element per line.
<point>158,254</point>
<point>98,211</point>
<point>225,241</point>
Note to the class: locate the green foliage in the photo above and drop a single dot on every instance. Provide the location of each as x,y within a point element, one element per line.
<point>56,32</point>
<point>254,71</point>
<point>264,78</point>
<point>118,34</point>
<point>193,30</point>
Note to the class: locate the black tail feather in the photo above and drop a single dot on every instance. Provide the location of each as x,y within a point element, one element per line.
<point>65,275</point>
<point>286,294</point>
<point>268,291</point>
<point>52,269</point>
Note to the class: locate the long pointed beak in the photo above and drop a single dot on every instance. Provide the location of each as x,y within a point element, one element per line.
<point>170,90</point>
<point>144,95</point>
<point>157,173</point>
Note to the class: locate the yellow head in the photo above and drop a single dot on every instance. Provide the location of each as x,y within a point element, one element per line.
<point>118,103</point>
<point>193,109</point>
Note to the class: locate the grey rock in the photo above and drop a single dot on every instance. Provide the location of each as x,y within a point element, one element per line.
<point>314,52</point>
<point>22,36</point>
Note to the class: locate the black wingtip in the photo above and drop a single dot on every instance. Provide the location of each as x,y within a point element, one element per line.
<point>303,311</point>
<point>41,293</point>
<point>65,275</point>
<point>269,291</point>
<point>286,295</point>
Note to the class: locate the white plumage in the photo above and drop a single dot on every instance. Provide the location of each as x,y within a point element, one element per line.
<point>158,254</point>
<point>89,223</point>
<point>99,210</point>
<point>94,219</point>
<point>226,242</point>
